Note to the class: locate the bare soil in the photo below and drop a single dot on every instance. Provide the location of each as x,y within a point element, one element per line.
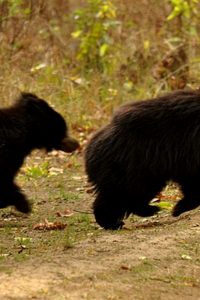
<point>154,258</point>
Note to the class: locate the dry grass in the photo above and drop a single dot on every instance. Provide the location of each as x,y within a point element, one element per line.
<point>156,258</point>
<point>38,54</point>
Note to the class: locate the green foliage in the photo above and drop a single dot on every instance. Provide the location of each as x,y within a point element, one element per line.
<point>186,12</point>
<point>94,24</point>
<point>15,8</point>
<point>23,241</point>
<point>37,171</point>
<point>183,7</point>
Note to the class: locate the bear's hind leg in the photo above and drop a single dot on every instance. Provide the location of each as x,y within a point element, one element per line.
<point>145,210</point>
<point>191,199</point>
<point>142,195</point>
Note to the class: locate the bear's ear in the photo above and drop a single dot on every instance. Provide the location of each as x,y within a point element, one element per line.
<point>31,101</point>
<point>28,97</point>
<point>26,94</point>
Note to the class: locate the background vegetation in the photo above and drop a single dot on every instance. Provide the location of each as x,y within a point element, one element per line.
<point>87,57</point>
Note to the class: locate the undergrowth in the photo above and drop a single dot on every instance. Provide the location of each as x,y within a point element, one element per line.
<point>88,58</point>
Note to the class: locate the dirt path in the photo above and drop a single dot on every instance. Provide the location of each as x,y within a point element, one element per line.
<point>155,258</point>
<point>154,262</point>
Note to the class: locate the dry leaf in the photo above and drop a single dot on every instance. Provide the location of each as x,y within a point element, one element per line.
<point>125,267</point>
<point>55,171</point>
<point>49,225</point>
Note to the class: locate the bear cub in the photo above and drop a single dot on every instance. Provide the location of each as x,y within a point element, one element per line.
<point>27,125</point>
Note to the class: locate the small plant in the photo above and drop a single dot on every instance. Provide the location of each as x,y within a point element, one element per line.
<point>94,24</point>
<point>23,241</point>
<point>70,239</point>
<point>37,171</point>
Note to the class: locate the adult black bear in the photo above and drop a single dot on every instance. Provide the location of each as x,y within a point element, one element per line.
<point>29,124</point>
<point>145,145</point>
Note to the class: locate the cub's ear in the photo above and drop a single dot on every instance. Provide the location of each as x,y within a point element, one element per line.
<point>28,97</point>
<point>32,103</point>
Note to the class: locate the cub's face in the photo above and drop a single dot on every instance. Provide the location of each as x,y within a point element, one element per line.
<point>48,128</point>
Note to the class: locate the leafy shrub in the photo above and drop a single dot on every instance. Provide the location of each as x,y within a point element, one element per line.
<point>94,24</point>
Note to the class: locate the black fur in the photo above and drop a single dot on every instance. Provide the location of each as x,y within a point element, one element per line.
<point>145,145</point>
<point>29,124</point>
